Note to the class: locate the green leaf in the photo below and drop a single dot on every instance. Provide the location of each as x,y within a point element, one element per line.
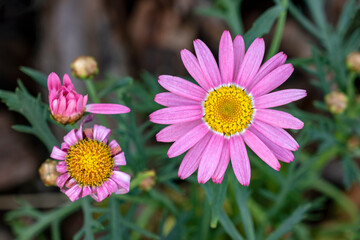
<point>317,12</point>
<point>138,229</point>
<point>263,24</point>
<point>114,86</point>
<point>229,227</point>
<point>242,196</point>
<point>289,223</point>
<point>33,110</point>
<point>347,14</point>
<point>216,194</point>
<point>37,76</point>
<point>351,171</point>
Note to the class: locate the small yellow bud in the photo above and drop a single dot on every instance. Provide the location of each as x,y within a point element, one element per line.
<point>48,173</point>
<point>84,67</point>
<point>353,62</point>
<point>336,102</point>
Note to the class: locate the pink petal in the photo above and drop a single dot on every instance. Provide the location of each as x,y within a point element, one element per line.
<point>101,133</point>
<point>172,115</point>
<point>274,62</point>
<point>210,158</point>
<point>192,66</point>
<point>273,80</point>
<point>85,101</point>
<point>67,82</point>
<point>188,140</point>
<point>86,191</point>
<point>219,173</point>
<point>74,192</point>
<point>260,149</point>
<point>71,108</point>
<point>240,160</point>
<point>80,104</point>
<point>279,119</point>
<point>278,135</point>
<point>58,154</point>
<point>279,98</point>
<point>54,106</point>
<point>61,180</point>
<point>239,53</point>
<point>207,63</point>
<point>119,160</point>
<point>122,179</point>
<point>280,153</point>
<point>226,57</point>
<point>174,132</point>
<point>111,186</point>
<point>113,144</point>
<point>107,108</point>
<point>71,138</point>
<point>53,82</point>
<point>182,87</point>
<point>192,158</point>
<point>62,105</point>
<point>102,193</point>
<point>61,167</point>
<point>169,99</point>
<point>251,63</point>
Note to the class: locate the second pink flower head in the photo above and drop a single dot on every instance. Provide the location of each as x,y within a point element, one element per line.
<point>67,106</point>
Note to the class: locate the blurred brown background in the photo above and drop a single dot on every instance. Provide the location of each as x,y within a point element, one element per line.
<point>126,37</point>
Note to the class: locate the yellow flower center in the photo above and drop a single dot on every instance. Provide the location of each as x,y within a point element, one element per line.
<point>89,162</point>
<point>228,110</point>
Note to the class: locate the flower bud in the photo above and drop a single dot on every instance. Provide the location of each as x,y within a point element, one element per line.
<point>336,102</point>
<point>148,182</point>
<point>66,105</point>
<point>84,67</point>
<point>353,143</point>
<point>48,173</point>
<point>353,62</point>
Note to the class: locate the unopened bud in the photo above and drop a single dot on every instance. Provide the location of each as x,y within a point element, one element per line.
<point>336,102</point>
<point>48,173</point>
<point>353,62</point>
<point>353,143</point>
<point>148,182</point>
<point>84,67</point>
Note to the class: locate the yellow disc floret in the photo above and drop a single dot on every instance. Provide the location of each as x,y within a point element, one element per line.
<point>89,162</point>
<point>228,110</point>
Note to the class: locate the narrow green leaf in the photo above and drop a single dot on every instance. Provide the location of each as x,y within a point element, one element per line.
<point>317,12</point>
<point>289,223</point>
<point>33,110</point>
<point>347,14</point>
<point>304,22</point>
<point>262,25</point>
<point>138,229</point>
<point>219,195</point>
<point>229,227</point>
<point>37,76</point>
<point>23,128</point>
<point>242,196</point>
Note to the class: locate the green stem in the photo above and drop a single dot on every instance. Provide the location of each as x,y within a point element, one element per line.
<point>140,177</point>
<point>94,97</point>
<point>351,86</point>
<point>275,44</point>
<point>48,219</point>
<point>85,202</point>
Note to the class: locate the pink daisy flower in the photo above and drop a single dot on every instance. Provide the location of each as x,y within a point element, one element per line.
<point>229,109</point>
<point>68,106</point>
<point>89,164</point>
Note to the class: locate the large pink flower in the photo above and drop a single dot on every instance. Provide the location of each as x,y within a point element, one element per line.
<point>89,164</point>
<point>68,106</point>
<point>229,109</point>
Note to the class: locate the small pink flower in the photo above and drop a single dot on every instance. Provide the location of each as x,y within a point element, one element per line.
<point>228,108</point>
<point>89,164</point>
<point>68,106</point>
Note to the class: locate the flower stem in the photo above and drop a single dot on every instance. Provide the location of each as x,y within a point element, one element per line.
<point>94,97</point>
<point>275,44</point>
